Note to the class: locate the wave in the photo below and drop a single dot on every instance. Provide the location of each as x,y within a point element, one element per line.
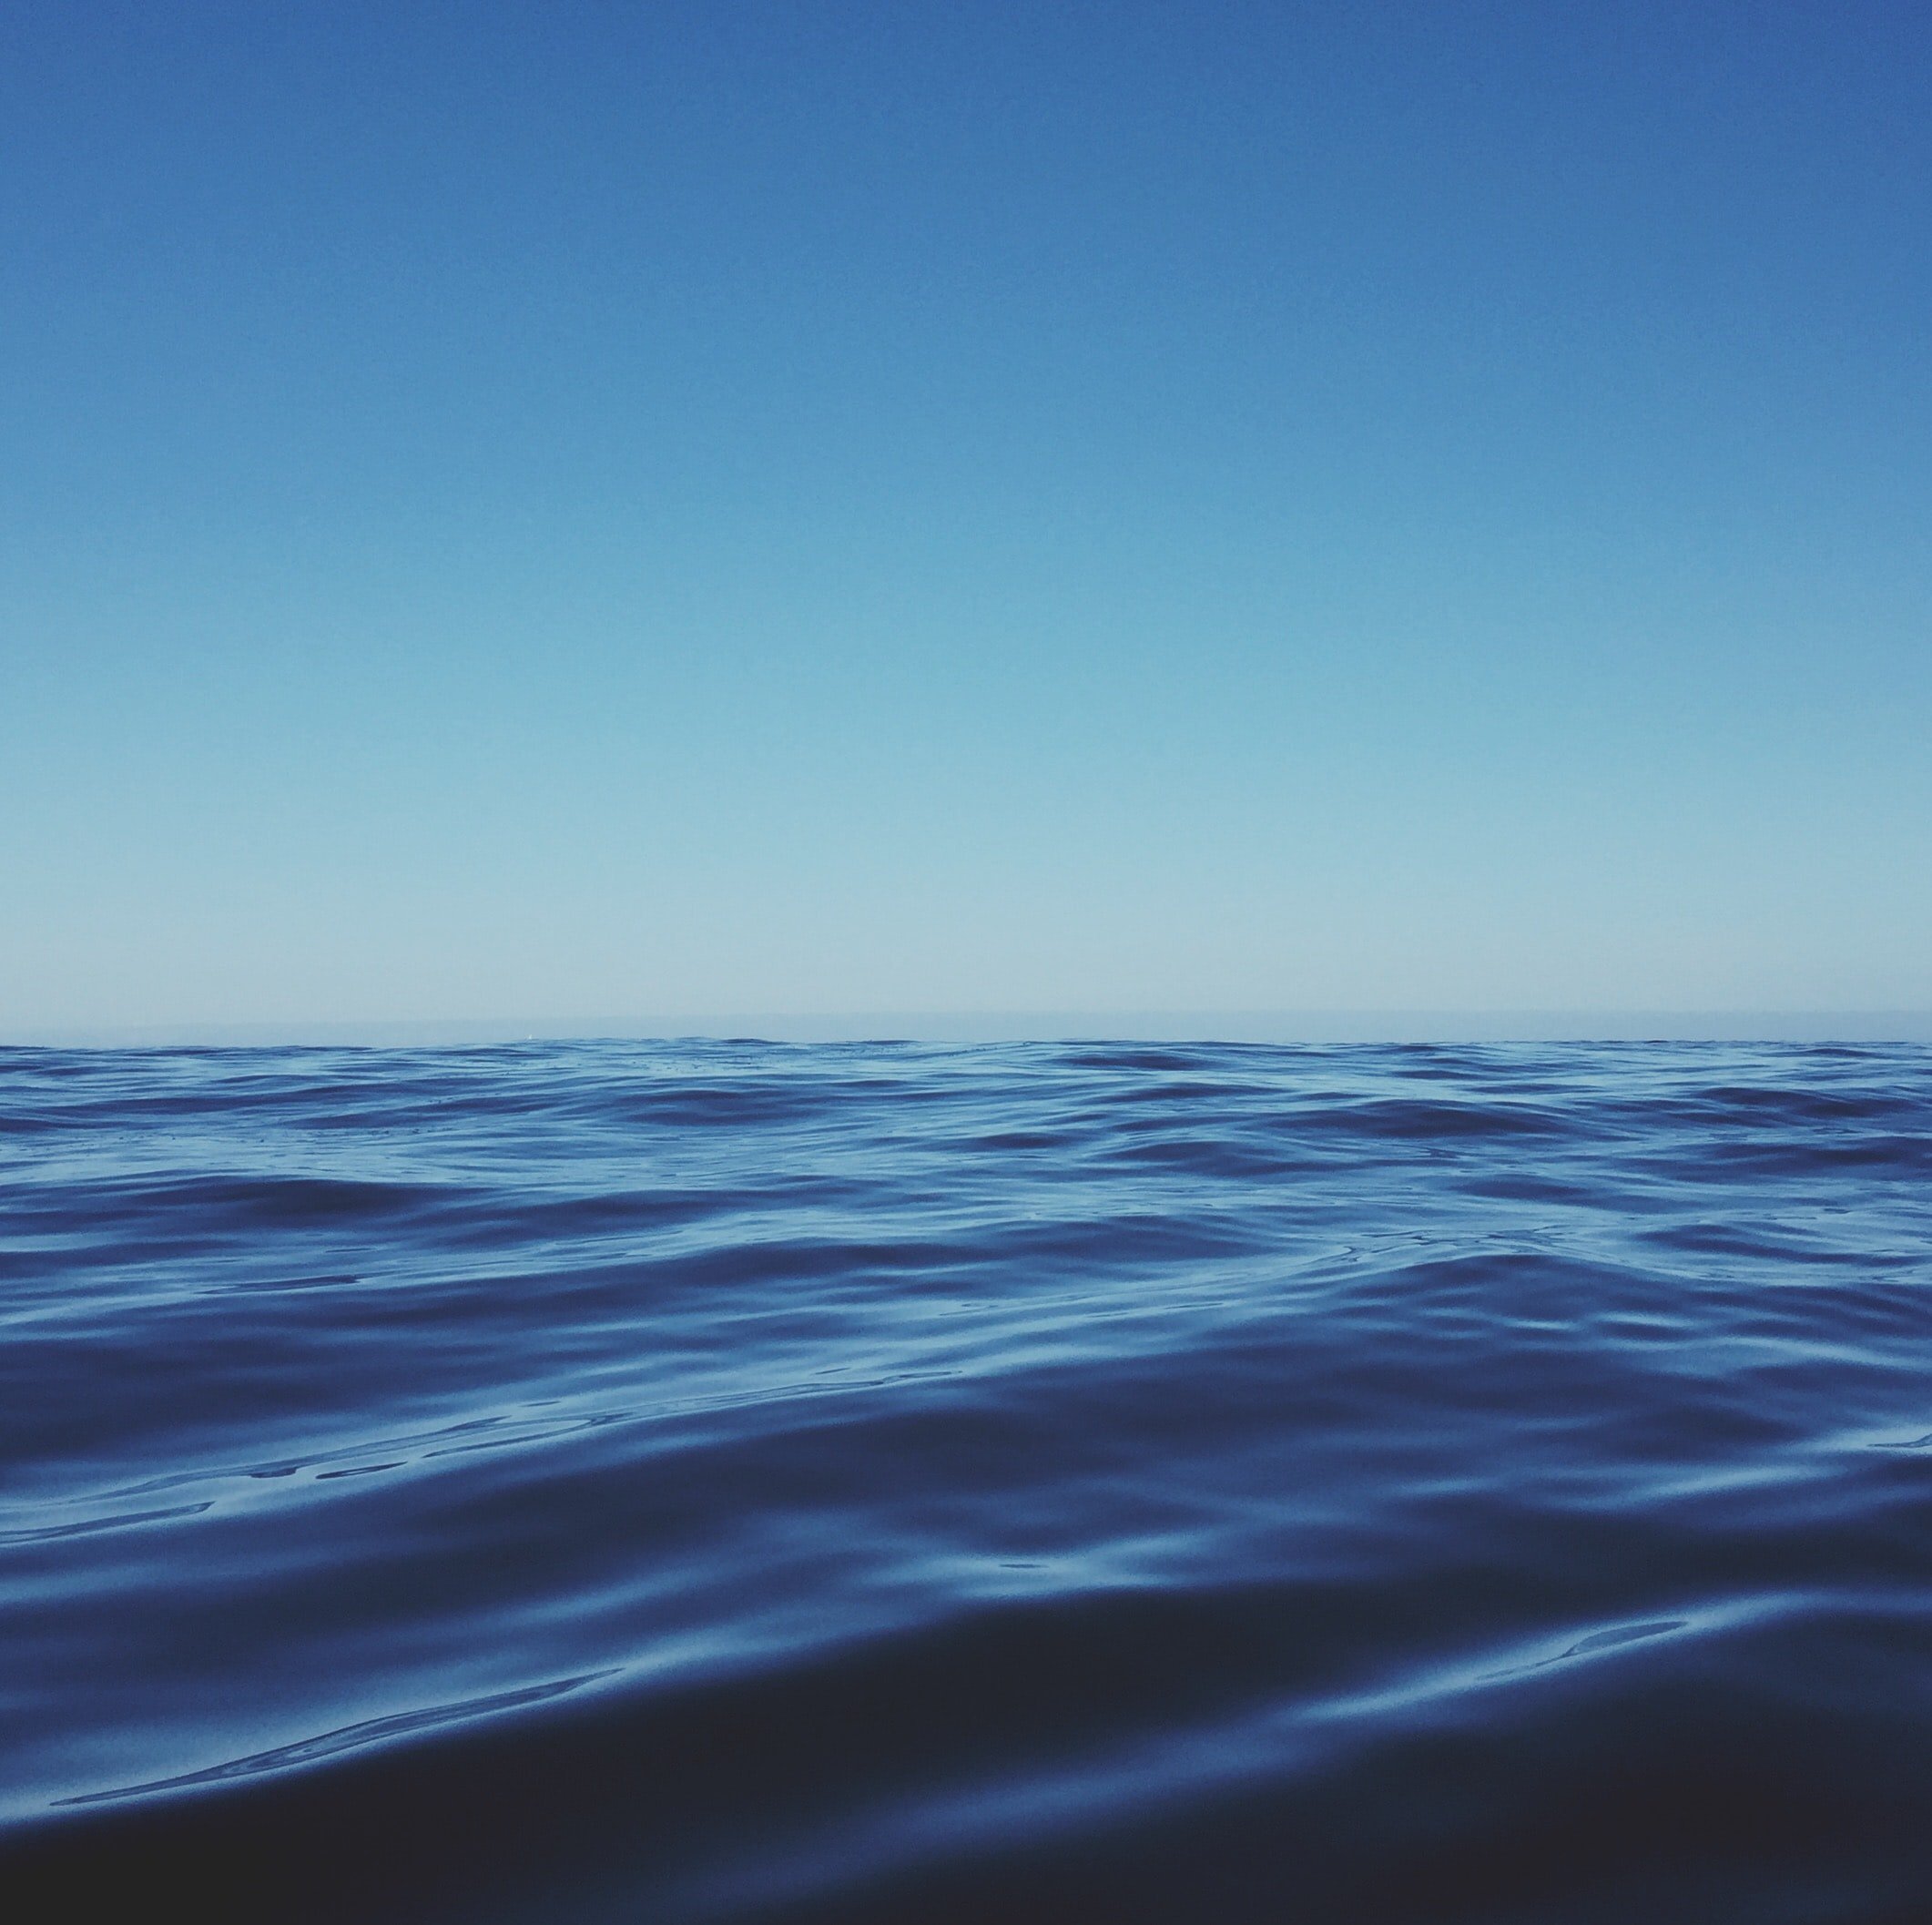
<point>733,1481</point>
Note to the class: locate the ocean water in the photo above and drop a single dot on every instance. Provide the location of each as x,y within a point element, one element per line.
<point>729,1481</point>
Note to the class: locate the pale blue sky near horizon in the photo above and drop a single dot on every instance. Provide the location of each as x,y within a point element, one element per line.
<point>572,511</point>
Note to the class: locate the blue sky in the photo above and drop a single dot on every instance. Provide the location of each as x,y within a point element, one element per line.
<point>583,512</point>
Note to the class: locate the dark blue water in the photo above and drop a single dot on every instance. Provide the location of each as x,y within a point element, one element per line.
<point>737,1482</point>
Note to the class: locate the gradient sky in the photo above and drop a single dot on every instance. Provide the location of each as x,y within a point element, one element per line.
<point>570,511</point>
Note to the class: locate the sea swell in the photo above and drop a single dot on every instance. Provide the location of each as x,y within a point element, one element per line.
<point>731,1481</point>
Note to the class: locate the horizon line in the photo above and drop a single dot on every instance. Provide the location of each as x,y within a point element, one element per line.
<point>1286,1026</point>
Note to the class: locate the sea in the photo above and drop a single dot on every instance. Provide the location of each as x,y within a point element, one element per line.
<point>734,1481</point>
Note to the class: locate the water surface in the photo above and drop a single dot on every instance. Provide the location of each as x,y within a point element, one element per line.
<point>729,1481</point>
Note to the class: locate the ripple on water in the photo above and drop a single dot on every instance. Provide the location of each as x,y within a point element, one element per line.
<point>732,1481</point>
